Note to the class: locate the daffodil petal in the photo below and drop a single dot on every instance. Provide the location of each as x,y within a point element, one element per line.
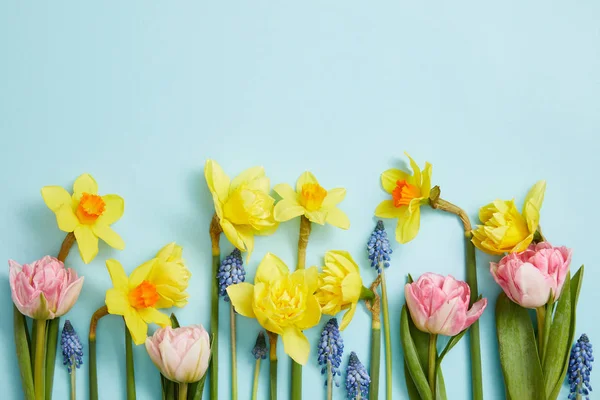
<point>287,209</point>
<point>117,275</point>
<point>242,296</point>
<point>247,236</point>
<point>270,268</point>
<point>55,197</point>
<point>535,197</point>
<point>85,183</point>
<point>318,216</point>
<point>408,226</point>
<point>114,207</point>
<point>416,171</point>
<point>141,273</point>
<point>386,209</point>
<point>232,234</point>
<point>342,258</point>
<point>285,191</point>
<point>87,242</point>
<point>216,179</point>
<point>111,237</point>
<point>117,302</point>
<point>136,325</point>
<point>66,218</point>
<point>337,218</point>
<point>152,315</point>
<point>334,197</point>
<point>246,176</point>
<point>426,185</point>
<point>390,177</point>
<point>308,277</point>
<point>306,177</point>
<point>312,314</point>
<point>296,344</point>
<point>348,315</point>
<point>351,287</point>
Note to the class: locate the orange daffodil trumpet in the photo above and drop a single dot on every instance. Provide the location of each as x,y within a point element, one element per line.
<point>243,205</point>
<point>87,214</point>
<point>158,283</point>
<point>282,302</point>
<point>409,193</point>
<point>311,200</point>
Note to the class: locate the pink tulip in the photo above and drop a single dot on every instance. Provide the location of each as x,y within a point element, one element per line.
<point>181,354</point>
<point>530,277</point>
<point>439,304</point>
<point>44,289</point>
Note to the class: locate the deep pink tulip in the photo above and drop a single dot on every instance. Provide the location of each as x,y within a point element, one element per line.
<point>529,278</point>
<point>440,304</point>
<point>44,289</point>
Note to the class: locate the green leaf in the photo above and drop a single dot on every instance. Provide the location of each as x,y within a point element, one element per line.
<point>574,289</point>
<point>518,351</point>
<point>51,347</point>
<point>451,343</point>
<point>413,393</point>
<point>557,350</point>
<point>174,321</point>
<point>411,357</point>
<point>23,358</point>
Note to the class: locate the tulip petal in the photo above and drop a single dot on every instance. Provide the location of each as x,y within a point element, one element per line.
<point>348,315</point>
<point>287,209</point>
<point>216,179</point>
<point>318,216</point>
<point>107,234</point>
<point>449,319</point>
<point>286,192</point>
<point>337,218</point>
<point>85,183</point>
<point>152,315</point>
<point>306,177</point>
<point>241,296</point>
<point>87,242</point>
<point>250,174</point>
<point>69,297</point>
<point>408,225</point>
<point>136,325</point>
<point>475,312</point>
<point>390,177</point>
<point>189,370</point>
<point>351,287</point>
<point>141,273</point>
<point>117,275</point>
<point>114,207</point>
<point>117,302</point>
<point>533,288</point>
<point>334,197</point>
<point>270,268</point>
<point>418,313</point>
<point>55,197</point>
<point>296,345</point>
<point>312,314</point>
<point>66,218</point>
<point>386,209</point>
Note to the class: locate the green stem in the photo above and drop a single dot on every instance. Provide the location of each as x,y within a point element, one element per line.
<point>256,375</point>
<point>215,234</point>
<point>296,381</point>
<point>33,344</point>
<point>386,332</point>
<point>233,354</point>
<point>93,372</point>
<point>129,365</point>
<point>40,356</point>
<point>273,363</point>
<point>23,357</point>
<point>170,390</point>
<point>183,389</point>
<point>375,361</point>
<point>73,380</point>
<point>432,362</point>
<point>51,345</point>
<point>547,328</point>
<point>541,321</point>
<point>474,340</point>
<point>329,381</point>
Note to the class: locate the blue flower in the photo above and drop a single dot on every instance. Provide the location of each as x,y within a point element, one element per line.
<point>357,379</point>
<point>260,348</point>
<point>231,272</point>
<point>379,248</point>
<point>71,347</point>
<point>331,348</point>
<point>580,366</point>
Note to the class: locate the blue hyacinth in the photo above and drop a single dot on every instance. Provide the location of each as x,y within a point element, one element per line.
<point>71,347</point>
<point>260,348</point>
<point>331,348</point>
<point>379,248</point>
<point>231,272</point>
<point>580,366</point>
<point>357,379</point>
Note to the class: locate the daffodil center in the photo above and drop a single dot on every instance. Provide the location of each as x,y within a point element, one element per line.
<point>312,196</point>
<point>404,192</point>
<point>144,295</point>
<point>90,207</point>
<point>288,299</point>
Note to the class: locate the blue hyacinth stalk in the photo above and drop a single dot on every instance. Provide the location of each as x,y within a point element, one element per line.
<point>357,379</point>
<point>580,366</point>
<point>379,253</point>
<point>72,351</point>
<point>331,348</point>
<point>260,353</point>
<point>231,272</point>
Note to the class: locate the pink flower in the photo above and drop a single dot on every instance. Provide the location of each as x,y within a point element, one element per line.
<point>529,278</point>
<point>439,304</point>
<point>44,289</point>
<point>181,354</point>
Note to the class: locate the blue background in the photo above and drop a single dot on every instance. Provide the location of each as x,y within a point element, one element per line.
<point>140,94</point>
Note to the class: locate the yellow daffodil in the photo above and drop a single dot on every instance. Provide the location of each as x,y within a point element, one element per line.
<point>158,283</point>
<point>282,302</point>
<point>312,201</point>
<point>87,214</point>
<point>243,204</point>
<point>340,285</point>
<point>504,229</point>
<point>409,193</point>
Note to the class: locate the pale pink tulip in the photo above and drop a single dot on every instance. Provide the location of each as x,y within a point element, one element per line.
<point>44,289</point>
<point>531,277</point>
<point>440,304</point>
<point>181,354</point>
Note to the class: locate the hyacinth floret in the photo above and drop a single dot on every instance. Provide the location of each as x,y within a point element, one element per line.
<point>260,347</point>
<point>331,348</point>
<point>379,248</point>
<point>71,347</point>
<point>231,272</point>
<point>357,379</point>
<point>580,366</point>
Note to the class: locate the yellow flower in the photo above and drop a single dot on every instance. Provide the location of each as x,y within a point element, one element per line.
<point>311,200</point>
<point>243,205</point>
<point>409,193</point>
<point>87,214</point>
<point>158,283</point>
<point>504,229</point>
<point>340,285</point>
<point>281,302</point>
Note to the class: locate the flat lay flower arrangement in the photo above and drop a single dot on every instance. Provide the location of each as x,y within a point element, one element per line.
<point>535,314</point>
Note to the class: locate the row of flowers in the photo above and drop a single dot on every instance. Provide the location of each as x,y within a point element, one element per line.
<point>532,273</point>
